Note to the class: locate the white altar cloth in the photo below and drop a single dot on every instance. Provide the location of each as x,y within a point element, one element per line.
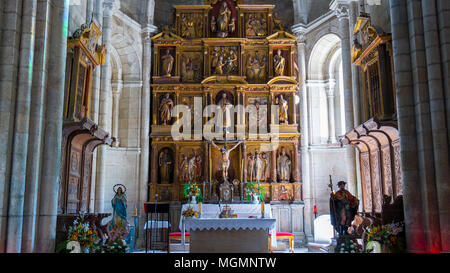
<point>243,211</point>
<point>230,223</point>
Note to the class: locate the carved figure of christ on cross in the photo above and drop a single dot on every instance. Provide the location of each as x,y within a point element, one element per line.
<point>225,157</point>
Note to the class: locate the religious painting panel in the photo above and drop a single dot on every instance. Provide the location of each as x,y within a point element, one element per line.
<point>283,192</point>
<point>223,19</point>
<point>166,164</point>
<point>224,60</point>
<point>256,65</point>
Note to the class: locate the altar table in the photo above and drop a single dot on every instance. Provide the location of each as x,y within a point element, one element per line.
<point>243,211</point>
<point>229,235</point>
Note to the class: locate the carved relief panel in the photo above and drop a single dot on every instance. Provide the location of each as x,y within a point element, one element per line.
<point>224,60</point>
<point>256,65</point>
<point>366,182</point>
<point>376,181</point>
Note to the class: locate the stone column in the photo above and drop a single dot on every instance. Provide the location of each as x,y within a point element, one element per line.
<point>95,91</point>
<point>342,13</point>
<point>355,69</point>
<point>108,9</point>
<point>304,137</point>
<point>438,124</point>
<point>89,11</point>
<point>9,52</point>
<point>407,125</point>
<point>38,91</point>
<point>116,93</point>
<point>301,10</point>
<point>21,128</point>
<point>48,203</point>
<point>443,9</point>
<point>330,103</point>
<point>146,112</point>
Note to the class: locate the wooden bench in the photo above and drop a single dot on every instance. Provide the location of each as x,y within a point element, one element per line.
<point>177,236</point>
<point>283,235</point>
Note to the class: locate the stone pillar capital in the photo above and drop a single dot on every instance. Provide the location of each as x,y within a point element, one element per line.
<point>341,8</point>
<point>109,7</point>
<point>299,31</point>
<point>147,32</point>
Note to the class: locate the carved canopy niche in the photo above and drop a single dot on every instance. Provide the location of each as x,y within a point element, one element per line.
<point>372,51</point>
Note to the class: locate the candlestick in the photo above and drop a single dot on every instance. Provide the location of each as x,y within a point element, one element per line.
<point>262,209</point>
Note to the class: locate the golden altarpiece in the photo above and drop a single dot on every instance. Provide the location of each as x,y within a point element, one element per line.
<point>222,53</point>
<point>81,135</point>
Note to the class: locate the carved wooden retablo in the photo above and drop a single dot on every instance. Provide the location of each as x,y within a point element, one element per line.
<point>227,54</point>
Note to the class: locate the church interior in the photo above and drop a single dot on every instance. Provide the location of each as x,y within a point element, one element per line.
<point>217,126</point>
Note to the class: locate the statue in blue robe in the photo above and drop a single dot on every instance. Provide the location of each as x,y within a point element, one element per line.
<point>119,204</point>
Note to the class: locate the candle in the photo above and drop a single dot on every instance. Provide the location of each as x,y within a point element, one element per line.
<point>315,209</point>
<point>135,211</point>
<point>200,209</point>
<point>262,209</point>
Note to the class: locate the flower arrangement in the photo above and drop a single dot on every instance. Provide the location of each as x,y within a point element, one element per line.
<point>255,189</point>
<point>386,235</point>
<point>347,245</point>
<point>82,233</point>
<point>115,242</point>
<point>191,190</point>
<point>189,212</point>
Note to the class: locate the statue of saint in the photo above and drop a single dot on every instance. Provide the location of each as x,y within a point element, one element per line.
<point>184,169</point>
<point>218,69</point>
<point>284,166</point>
<point>250,168</point>
<point>258,167</point>
<point>119,205</point>
<point>283,110</point>
<point>165,109</point>
<point>167,64</point>
<point>225,158</point>
<point>343,208</point>
<point>213,24</point>
<point>198,168</point>
<point>279,63</point>
<point>192,168</point>
<point>266,167</point>
<point>223,20</point>
<point>165,166</point>
<point>225,106</point>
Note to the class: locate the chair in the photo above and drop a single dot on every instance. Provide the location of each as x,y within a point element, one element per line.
<point>177,236</point>
<point>281,236</point>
